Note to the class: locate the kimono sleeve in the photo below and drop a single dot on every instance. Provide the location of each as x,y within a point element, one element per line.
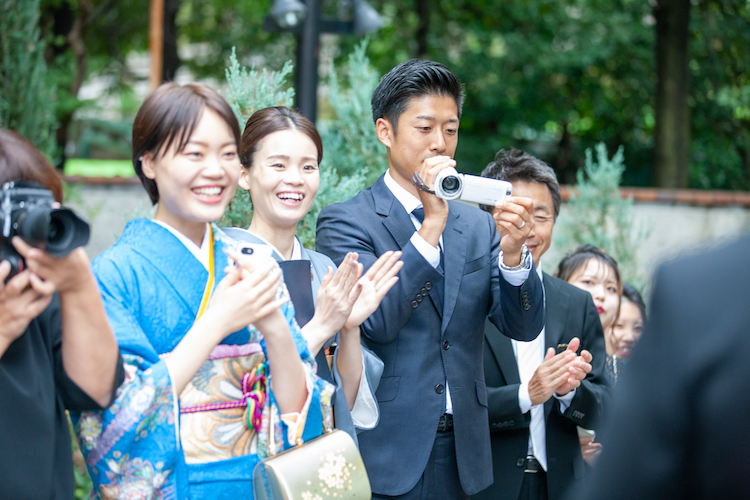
<point>132,447</point>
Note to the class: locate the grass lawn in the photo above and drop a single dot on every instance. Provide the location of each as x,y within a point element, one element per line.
<point>99,168</point>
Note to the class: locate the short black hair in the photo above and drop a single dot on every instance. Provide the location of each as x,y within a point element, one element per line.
<point>413,78</point>
<point>516,165</point>
<point>633,295</point>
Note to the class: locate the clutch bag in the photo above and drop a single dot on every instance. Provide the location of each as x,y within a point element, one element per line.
<point>328,466</point>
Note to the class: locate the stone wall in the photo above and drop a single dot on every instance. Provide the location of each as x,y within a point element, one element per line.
<point>679,225</point>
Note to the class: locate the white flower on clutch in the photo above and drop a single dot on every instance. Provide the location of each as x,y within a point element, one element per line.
<point>334,471</point>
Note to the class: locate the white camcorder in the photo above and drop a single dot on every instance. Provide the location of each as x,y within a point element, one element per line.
<point>450,185</point>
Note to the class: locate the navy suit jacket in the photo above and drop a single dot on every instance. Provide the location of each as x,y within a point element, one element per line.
<point>422,342</point>
<point>570,313</point>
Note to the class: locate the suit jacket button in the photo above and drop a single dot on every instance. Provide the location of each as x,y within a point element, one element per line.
<point>520,462</point>
<point>526,307</point>
<point>418,298</point>
<point>439,388</point>
<point>428,286</point>
<point>414,304</point>
<point>423,292</point>
<point>446,344</point>
<point>525,295</point>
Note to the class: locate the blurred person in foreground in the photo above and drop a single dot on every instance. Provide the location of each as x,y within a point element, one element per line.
<point>57,350</point>
<point>539,391</point>
<point>679,426</point>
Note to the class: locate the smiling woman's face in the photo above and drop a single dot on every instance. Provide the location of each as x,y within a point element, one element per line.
<point>600,281</point>
<point>626,331</point>
<point>284,178</point>
<point>196,183</point>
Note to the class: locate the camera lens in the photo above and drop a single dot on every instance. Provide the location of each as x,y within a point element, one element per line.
<point>32,225</point>
<point>450,184</point>
<point>65,232</point>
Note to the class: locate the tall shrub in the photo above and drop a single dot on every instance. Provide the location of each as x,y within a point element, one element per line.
<point>349,138</point>
<point>598,214</point>
<point>350,155</point>
<point>26,99</point>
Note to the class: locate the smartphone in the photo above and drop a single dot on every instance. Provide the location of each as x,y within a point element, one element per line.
<point>256,253</point>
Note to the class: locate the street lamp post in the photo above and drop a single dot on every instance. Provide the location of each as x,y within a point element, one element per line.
<point>305,21</point>
<point>308,50</point>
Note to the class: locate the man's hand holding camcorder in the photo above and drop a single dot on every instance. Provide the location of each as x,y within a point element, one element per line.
<point>435,209</point>
<point>514,222</point>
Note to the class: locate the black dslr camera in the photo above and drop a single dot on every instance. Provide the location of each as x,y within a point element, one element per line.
<point>26,211</point>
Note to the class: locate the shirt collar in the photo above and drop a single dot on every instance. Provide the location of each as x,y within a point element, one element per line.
<point>407,200</point>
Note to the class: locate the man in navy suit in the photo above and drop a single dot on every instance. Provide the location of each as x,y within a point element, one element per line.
<point>537,395</point>
<point>433,437</point>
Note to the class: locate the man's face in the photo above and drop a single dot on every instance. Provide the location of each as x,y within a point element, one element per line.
<point>540,237</point>
<point>428,127</point>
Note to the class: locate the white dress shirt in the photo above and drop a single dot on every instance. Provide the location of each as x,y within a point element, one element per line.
<point>529,355</point>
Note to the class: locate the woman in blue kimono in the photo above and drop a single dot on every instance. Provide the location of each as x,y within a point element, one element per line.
<point>205,395</point>
<point>281,152</point>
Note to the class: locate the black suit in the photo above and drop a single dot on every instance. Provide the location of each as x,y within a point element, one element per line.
<point>422,341</point>
<point>681,413</point>
<point>570,313</point>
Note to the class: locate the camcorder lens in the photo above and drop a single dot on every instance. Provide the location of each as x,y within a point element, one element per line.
<point>450,184</point>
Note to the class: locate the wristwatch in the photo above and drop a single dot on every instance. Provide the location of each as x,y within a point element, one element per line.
<point>521,265</point>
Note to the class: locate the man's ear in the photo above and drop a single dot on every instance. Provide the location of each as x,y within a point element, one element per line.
<point>384,131</point>
<point>147,165</point>
<point>244,181</point>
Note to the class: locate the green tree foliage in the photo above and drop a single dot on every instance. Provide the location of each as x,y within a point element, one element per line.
<point>250,90</point>
<point>597,213</point>
<point>26,98</point>
<point>350,141</point>
<point>720,94</point>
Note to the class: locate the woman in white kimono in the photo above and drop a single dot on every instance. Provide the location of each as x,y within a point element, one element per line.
<point>205,395</point>
<point>281,153</point>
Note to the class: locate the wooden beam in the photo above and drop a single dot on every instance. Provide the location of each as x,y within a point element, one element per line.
<point>156,41</point>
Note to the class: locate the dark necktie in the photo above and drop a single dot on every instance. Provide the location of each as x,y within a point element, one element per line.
<point>419,214</point>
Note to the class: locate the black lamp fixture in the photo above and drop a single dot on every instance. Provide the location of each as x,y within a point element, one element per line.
<point>365,18</point>
<point>288,13</point>
<point>305,21</point>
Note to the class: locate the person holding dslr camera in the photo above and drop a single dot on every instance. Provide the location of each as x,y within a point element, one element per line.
<point>57,349</point>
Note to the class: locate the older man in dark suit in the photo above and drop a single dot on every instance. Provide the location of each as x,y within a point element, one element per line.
<point>680,424</point>
<point>535,392</point>
<point>433,437</point>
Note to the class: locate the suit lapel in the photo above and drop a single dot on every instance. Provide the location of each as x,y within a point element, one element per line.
<point>395,219</point>
<point>502,351</point>
<point>454,244</point>
<point>556,309</point>
<point>398,223</point>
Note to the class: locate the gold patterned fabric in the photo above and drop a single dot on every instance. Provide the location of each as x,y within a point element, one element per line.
<point>214,421</point>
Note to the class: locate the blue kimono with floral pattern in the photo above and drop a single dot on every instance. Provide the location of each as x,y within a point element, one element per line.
<point>152,287</point>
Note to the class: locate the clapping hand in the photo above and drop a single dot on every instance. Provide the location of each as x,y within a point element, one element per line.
<point>559,373</point>
<point>378,280</point>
